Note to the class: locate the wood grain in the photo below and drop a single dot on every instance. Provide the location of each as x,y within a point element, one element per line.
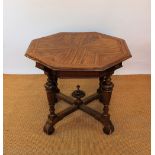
<point>78,51</point>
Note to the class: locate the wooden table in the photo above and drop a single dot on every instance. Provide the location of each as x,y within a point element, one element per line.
<point>78,55</point>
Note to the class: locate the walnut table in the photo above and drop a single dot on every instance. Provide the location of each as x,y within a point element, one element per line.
<point>78,55</point>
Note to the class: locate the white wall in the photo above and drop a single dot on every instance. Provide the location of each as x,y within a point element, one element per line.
<point>25,20</point>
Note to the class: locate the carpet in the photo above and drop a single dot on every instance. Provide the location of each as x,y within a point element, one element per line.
<point>26,110</point>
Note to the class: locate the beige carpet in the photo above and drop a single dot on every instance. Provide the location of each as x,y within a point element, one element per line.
<point>26,109</point>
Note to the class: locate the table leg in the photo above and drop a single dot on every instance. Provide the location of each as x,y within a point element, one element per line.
<point>99,90</point>
<point>51,90</point>
<point>106,91</point>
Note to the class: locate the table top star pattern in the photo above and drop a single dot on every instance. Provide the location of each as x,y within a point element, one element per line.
<point>78,51</point>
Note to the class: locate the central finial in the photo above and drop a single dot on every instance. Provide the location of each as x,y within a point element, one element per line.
<point>78,87</point>
<point>78,93</point>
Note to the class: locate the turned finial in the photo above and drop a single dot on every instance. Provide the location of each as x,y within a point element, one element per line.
<point>78,93</point>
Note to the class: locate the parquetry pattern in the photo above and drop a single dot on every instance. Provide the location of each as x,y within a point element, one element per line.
<point>81,51</point>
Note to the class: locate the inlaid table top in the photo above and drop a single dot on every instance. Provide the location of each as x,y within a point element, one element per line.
<point>78,51</point>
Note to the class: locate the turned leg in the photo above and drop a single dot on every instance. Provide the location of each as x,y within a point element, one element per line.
<point>106,91</point>
<point>99,90</point>
<point>51,90</point>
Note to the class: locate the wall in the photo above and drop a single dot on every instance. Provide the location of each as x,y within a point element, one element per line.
<point>25,20</point>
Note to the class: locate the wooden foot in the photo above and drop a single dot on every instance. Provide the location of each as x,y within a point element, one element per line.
<point>48,128</point>
<point>108,129</point>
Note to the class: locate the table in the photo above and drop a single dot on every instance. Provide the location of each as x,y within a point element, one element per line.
<point>78,55</point>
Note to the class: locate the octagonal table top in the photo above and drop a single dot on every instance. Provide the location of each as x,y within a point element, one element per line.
<point>78,51</point>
